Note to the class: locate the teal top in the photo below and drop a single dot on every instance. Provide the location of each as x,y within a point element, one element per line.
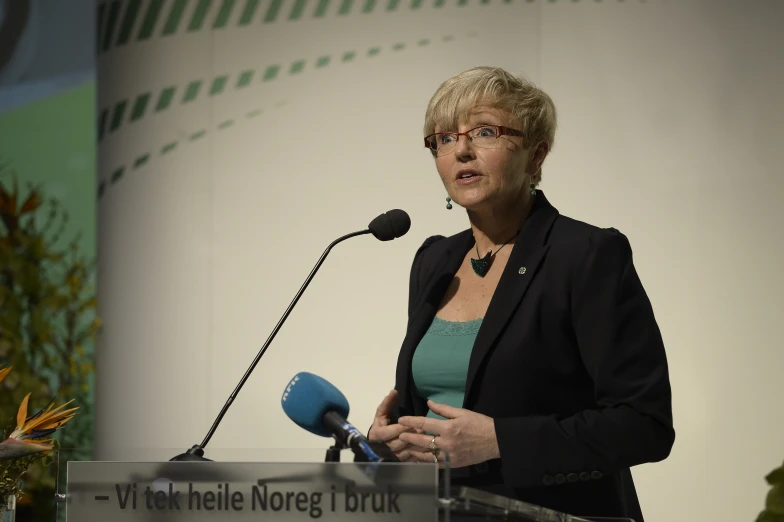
<point>440,363</point>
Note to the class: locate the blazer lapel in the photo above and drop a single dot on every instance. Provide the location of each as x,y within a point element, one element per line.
<point>526,258</point>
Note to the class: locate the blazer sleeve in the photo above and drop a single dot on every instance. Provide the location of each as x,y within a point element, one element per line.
<point>622,349</point>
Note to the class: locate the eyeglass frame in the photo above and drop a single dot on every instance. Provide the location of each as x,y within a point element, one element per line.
<point>502,131</point>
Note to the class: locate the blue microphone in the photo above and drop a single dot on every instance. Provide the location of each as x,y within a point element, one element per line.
<point>315,405</point>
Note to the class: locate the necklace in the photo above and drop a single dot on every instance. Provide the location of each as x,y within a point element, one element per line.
<point>482,265</point>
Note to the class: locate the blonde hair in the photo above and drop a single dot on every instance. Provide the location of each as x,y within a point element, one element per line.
<point>532,110</point>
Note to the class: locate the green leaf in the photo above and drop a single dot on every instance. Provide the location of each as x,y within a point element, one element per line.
<point>774,501</point>
<point>776,476</point>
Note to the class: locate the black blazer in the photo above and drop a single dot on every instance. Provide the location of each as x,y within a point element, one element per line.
<point>569,362</point>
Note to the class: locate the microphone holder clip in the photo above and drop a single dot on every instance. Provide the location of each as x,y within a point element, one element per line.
<point>333,452</point>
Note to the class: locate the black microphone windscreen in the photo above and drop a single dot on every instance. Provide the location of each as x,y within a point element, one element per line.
<point>390,225</point>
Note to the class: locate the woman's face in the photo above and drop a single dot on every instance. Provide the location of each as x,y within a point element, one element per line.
<point>486,178</point>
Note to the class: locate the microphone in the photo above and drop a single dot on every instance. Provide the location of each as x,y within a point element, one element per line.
<point>314,404</point>
<point>389,225</point>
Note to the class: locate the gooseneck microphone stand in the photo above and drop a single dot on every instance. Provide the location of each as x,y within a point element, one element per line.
<point>196,452</point>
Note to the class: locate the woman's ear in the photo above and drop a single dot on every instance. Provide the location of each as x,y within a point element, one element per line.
<point>537,157</point>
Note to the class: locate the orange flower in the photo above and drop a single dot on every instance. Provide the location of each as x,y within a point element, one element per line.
<point>30,435</point>
<point>4,372</point>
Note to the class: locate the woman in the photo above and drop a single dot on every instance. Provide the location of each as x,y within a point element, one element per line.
<point>532,355</point>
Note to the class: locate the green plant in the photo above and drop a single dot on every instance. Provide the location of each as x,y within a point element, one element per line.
<point>48,320</point>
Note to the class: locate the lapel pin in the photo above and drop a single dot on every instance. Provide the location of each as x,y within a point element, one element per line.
<point>521,271</point>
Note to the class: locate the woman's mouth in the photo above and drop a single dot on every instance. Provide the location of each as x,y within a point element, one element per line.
<point>466,177</point>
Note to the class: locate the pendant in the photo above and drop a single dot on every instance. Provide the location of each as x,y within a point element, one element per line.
<point>481,266</point>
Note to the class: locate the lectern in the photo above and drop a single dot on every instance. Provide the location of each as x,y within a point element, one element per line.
<point>164,491</point>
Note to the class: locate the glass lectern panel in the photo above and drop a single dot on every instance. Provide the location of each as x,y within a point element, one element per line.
<point>141,484</point>
<point>243,491</point>
<point>468,504</point>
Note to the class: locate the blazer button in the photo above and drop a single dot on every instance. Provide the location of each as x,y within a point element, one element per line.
<point>596,475</point>
<point>547,480</point>
<point>571,477</point>
<point>585,476</point>
<point>560,478</point>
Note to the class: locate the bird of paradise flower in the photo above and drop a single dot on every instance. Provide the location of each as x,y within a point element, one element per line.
<point>32,433</point>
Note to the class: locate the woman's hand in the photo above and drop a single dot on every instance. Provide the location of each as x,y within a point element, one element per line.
<point>389,433</point>
<point>467,436</point>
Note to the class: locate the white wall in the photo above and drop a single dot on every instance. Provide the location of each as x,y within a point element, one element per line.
<point>670,124</point>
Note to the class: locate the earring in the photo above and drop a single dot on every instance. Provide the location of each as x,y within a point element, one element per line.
<point>448,204</point>
<point>533,189</point>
